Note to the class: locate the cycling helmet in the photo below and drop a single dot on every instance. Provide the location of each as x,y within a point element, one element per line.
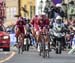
<point>58,5</point>
<point>58,19</point>
<point>20,19</point>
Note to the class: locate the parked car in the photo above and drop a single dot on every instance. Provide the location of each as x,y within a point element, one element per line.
<point>4,39</point>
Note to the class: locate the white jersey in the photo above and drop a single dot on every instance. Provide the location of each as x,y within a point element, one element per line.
<point>55,25</point>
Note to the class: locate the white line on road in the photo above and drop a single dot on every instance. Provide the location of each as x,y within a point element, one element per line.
<point>8,58</point>
<point>5,52</point>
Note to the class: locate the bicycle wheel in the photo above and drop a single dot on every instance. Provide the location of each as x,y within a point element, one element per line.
<point>44,52</point>
<point>20,43</point>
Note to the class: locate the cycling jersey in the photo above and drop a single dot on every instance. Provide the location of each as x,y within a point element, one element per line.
<point>35,22</point>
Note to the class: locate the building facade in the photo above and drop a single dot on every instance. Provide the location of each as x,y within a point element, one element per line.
<point>70,8</point>
<point>41,4</point>
<point>11,11</point>
<point>27,8</point>
<point>2,10</point>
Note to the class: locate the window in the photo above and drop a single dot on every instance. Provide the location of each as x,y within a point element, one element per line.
<point>13,12</point>
<point>10,12</point>
<point>33,10</point>
<point>30,11</point>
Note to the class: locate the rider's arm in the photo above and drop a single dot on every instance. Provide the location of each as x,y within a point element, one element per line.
<point>15,28</point>
<point>65,28</point>
<point>4,29</point>
<point>32,23</point>
<point>24,28</point>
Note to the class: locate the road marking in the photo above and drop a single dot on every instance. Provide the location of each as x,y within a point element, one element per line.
<point>8,58</point>
<point>5,53</point>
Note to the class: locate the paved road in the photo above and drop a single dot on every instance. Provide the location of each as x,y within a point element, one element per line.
<point>33,57</point>
<point>4,54</point>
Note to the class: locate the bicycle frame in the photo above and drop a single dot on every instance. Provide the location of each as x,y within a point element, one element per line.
<point>44,49</point>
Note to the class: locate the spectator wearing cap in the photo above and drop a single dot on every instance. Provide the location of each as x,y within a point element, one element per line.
<point>57,10</point>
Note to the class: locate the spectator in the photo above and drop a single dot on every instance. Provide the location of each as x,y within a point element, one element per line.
<point>73,46</point>
<point>57,10</point>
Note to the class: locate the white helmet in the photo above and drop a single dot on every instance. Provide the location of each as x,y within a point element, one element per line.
<point>58,5</point>
<point>58,17</point>
<point>43,13</point>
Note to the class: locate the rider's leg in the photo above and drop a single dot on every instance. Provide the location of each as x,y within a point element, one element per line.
<point>47,42</point>
<point>16,41</point>
<point>33,32</point>
<point>54,41</point>
<point>63,42</point>
<point>17,32</point>
<point>33,35</point>
<point>38,40</point>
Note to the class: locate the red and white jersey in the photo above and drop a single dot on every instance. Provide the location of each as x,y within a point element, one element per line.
<point>35,22</point>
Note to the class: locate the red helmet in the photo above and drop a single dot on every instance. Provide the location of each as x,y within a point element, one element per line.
<point>20,19</point>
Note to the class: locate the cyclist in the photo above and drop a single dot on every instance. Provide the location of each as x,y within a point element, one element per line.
<point>58,27</point>
<point>56,11</point>
<point>44,28</point>
<point>35,28</point>
<point>19,27</point>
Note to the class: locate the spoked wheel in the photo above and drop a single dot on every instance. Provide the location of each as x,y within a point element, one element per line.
<point>40,49</point>
<point>20,43</point>
<point>48,50</point>
<point>44,52</point>
<point>45,48</point>
<point>19,50</point>
<point>26,44</point>
<point>58,48</point>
